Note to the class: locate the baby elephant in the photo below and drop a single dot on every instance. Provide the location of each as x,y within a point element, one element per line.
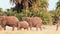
<point>23,24</point>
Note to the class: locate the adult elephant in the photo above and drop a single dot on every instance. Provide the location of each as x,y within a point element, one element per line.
<point>34,22</point>
<point>9,21</point>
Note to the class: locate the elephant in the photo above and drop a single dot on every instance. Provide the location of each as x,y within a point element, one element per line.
<point>34,22</point>
<point>58,22</point>
<point>23,24</point>
<point>9,21</point>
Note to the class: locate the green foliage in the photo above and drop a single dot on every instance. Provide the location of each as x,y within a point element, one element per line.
<point>26,13</point>
<point>1,12</point>
<point>55,14</point>
<point>58,4</point>
<point>40,11</point>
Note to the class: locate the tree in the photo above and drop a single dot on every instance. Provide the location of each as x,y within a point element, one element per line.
<point>25,4</point>
<point>58,4</point>
<point>55,14</point>
<point>33,8</point>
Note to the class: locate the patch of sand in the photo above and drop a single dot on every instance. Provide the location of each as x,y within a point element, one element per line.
<point>48,30</point>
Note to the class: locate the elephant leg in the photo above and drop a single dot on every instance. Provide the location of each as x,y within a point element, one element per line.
<point>13,28</point>
<point>30,27</point>
<point>27,28</point>
<point>37,27</point>
<point>18,28</point>
<point>57,26</point>
<point>3,26</point>
<point>24,28</point>
<point>40,28</point>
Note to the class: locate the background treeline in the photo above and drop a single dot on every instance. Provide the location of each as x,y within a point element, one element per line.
<point>36,8</point>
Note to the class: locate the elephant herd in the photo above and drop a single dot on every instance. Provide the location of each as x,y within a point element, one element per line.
<point>27,22</point>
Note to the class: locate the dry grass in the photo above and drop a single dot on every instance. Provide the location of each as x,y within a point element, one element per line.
<point>47,30</point>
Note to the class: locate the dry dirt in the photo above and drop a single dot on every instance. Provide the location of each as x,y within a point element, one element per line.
<point>48,30</point>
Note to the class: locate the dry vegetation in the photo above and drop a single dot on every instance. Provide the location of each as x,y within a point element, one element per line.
<point>48,30</point>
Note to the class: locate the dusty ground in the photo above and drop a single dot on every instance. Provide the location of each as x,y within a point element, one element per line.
<point>48,30</point>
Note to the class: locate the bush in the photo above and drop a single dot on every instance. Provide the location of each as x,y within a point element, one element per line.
<point>40,12</point>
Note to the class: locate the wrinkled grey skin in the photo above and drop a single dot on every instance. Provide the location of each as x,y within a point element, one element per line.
<point>23,24</point>
<point>9,21</point>
<point>34,22</point>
